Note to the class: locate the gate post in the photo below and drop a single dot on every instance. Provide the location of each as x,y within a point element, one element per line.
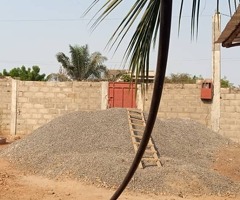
<point>140,96</point>
<point>14,108</point>
<point>104,102</point>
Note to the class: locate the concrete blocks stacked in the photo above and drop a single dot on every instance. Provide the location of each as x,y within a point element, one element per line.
<point>36,103</point>
<point>40,102</point>
<point>230,113</point>
<point>181,101</point>
<point>5,105</point>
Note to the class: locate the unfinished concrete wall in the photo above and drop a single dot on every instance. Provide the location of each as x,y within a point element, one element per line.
<point>5,105</point>
<point>27,105</point>
<point>230,114</point>
<point>181,101</point>
<point>40,102</point>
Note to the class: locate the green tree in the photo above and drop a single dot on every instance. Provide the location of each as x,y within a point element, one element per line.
<point>82,65</point>
<point>155,22</point>
<point>29,74</point>
<point>126,78</point>
<point>182,78</point>
<point>226,83</point>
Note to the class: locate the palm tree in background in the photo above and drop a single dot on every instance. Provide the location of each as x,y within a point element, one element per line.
<point>153,27</point>
<point>82,65</point>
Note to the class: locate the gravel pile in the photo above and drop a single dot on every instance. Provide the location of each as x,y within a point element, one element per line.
<point>96,147</point>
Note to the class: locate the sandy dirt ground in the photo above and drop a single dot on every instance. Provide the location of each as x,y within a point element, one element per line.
<point>18,185</point>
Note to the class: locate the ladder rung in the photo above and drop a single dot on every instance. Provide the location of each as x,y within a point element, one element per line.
<point>137,130</point>
<point>133,115</point>
<point>138,143</point>
<point>137,136</point>
<point>134,119</point>
<point>135,111</point>
<point>150,159</point>
<point>150,151</point>
<point>134,124</point>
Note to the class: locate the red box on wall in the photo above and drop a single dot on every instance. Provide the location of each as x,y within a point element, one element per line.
<point>207,90</point>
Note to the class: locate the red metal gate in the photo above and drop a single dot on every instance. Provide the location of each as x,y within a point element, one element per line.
<point>121,95</point>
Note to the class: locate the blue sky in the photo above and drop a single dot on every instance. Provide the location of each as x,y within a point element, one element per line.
<point>33,32</point>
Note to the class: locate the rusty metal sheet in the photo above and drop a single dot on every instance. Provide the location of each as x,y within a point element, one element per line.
<point>231,34</point>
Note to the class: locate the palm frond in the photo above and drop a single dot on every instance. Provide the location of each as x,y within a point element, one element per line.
<point>196,10</point>
<point>180,15</point>
<point>80,60</point>
<point>63,59</point>
<point>107,8</point>
<point>229,6</point>
<point>145,34</point>
<point>138,50</point>
<point>66,64</point>
<point>194,16</point>
<point>96,66</point>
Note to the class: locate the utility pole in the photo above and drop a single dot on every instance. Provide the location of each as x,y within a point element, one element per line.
<point>216,73</point>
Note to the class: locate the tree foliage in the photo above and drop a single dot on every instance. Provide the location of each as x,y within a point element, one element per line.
<point>226,83</point>
<point>25,74</point>
<point>182,78</point>
<point>82,65</point>
<point>126,78</point>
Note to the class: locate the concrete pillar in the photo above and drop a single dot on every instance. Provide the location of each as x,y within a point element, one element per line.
<point>104,103</point>
<point>140,98</point>
<point>216,73</point>
<point>14,107</point>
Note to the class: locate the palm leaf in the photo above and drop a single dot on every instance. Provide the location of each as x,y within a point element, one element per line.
<point>65,61</point>
<point>229,6</point>
<point>144,35</point>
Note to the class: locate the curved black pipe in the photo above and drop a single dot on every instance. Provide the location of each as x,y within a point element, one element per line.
<point>164,39</point>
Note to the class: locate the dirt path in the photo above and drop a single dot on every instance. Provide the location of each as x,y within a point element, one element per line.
<point>16,185</point>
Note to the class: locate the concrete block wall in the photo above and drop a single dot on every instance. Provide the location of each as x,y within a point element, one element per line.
<point>181,101</point>
<point>230,114</point>
<point>40,102</point>
<point>25,106</point>
<point>5,105</point>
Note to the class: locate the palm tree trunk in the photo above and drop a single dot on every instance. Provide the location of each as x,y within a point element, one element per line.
<point>164,38</point>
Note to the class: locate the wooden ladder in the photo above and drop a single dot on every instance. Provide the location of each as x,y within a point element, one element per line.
<point>137,125</point>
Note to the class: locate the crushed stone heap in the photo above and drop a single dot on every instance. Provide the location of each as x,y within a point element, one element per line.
<point>96,147</point>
